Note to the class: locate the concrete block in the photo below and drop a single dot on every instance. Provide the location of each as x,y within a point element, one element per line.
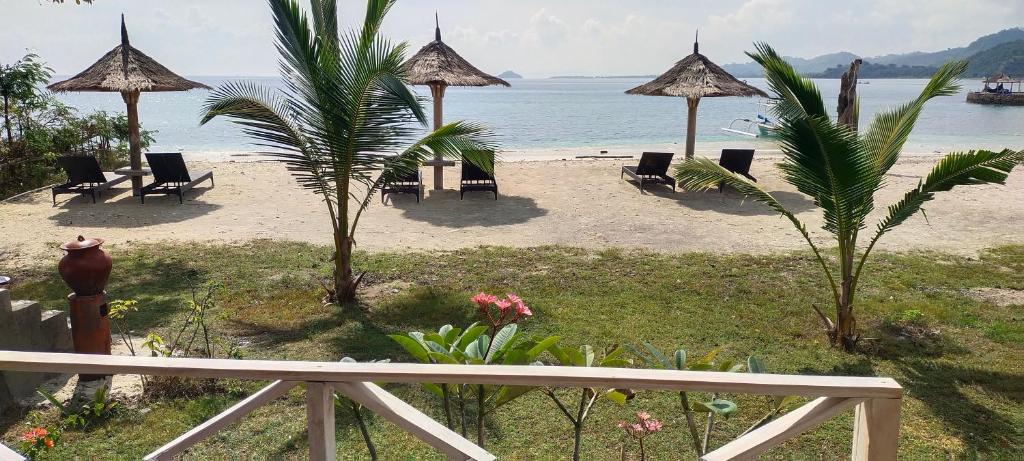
<point>54,327</point>
<point>25,334</point>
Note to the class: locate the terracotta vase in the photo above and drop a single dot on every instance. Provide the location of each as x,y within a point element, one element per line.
<point>85,268</point>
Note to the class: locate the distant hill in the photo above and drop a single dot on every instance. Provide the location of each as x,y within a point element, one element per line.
<point>509,74</point>
<point>872,70</point>
<point>802,65</point>
<point>941,57</point>
<point>909,65</point>
<point>1007,58</point>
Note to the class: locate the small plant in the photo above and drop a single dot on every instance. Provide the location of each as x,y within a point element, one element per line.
<point>37,440</point>
<point>639,430</point>
<point>98,409</point>
<point>473,346</point>
<point>585,357</point>
<point>716,407</point>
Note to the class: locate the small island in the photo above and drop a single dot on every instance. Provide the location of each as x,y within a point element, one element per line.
<point>509,74</point>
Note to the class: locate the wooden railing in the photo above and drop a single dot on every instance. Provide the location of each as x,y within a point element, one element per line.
<point>876,400</point>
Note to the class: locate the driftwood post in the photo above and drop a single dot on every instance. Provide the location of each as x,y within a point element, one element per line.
<point>848,109</point>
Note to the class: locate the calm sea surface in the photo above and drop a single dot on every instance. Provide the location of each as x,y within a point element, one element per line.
<point>594,113</point>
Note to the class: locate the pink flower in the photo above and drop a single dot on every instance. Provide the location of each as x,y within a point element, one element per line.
<point>652,425</point>
<point>503,306</point>
<point>484,300</point>
<point>643,415</point>
<point>513,298</point>
<point>522,310</point>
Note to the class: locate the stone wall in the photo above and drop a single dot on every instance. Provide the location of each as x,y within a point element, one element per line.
<point>24,326</point>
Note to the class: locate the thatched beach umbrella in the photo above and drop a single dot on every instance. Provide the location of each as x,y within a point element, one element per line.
<point>693,78</point>
<point>438,66</point>
<point>128,71</point>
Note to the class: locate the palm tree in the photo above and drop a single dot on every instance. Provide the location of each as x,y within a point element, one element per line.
<point>343,122</point>
<point>841,170</point>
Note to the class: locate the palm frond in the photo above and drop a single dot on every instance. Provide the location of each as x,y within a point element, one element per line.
<point>798,97</point>
<point>955,169</point>
<point>890,129</point>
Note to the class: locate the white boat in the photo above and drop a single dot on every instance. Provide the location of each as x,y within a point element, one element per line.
<point>762,126</point>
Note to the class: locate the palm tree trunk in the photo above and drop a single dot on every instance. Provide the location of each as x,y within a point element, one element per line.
<point>845,334</point>
<point>344,283</point>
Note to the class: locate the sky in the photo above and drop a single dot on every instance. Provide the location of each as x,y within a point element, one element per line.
<point>536,38</point>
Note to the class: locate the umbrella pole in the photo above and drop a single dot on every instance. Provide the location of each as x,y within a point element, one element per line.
<point>437,92</point>
<point>131,99</point>
<point>691,126</point>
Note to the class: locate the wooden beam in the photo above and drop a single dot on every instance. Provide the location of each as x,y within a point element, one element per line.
<point>876,430</point>
<point>6,454</point>
<point>736,383</point>
<point>222,420</point>
<point>323,446</point>
<point>781,429</point>
<point>413,421</point>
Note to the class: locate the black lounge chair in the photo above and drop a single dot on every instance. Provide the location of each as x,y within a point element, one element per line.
<point>84,177</point>
<point>476,179</point>
<point>411,183</point>
<point>171,176</point>
<point>738,162</point>
<point>653,169</point>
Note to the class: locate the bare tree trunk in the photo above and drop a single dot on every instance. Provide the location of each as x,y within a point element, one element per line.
<point>847,108</point>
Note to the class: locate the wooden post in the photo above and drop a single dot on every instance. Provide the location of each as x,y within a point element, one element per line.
<point>691,126</point>
<point>320,421</point>
<point>437,92</point>
<point>131,99</point>
<point>876,430</point>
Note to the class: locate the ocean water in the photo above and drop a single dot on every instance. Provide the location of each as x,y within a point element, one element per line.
<point>593,114</point>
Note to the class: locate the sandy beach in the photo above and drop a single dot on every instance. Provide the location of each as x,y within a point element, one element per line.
<point>578,202</point>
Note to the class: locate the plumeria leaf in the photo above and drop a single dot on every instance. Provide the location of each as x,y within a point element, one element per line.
<point>615,352</point>
<point>665,363</point>
<point>755,365</point>
<point>615,396</point>
<point>700,367</point>
<point>437,338</point>
<point>434,389</point>
<point>478,349</point>
<point>560,355</point>
<point>509,393</point>
<point>541,346</point>
<point>413,347</point>
<point>440,357</point>
<point>576,359</point>
<point>710,357</point>
<point>617,363</point>
<point>433,346</point>
<point>679,359</point>
<point>588,355</point>
<point>719,407</point>
<point>471,334</point>
<point>502,340</point>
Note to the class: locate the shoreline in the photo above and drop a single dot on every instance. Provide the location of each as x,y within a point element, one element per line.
<point>711,150</point>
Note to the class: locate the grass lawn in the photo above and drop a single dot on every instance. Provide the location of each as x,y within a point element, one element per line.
<point>964,386</point>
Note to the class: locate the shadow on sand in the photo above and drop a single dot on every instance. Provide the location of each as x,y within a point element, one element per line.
<point>443,208</point>
<point>731,202</point>
<point>121,209</point>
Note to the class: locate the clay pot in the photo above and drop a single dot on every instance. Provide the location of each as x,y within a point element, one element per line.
<point>86,267</point>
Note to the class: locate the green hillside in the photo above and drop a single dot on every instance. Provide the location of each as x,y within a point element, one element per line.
<point>1007,58</point>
